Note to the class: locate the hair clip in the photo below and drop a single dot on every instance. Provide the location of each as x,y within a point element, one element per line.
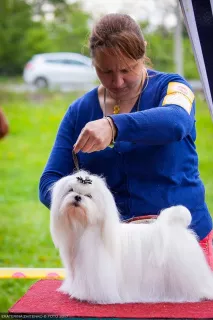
<point>84,181</point>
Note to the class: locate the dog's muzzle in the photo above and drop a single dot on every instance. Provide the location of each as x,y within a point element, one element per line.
<point>77,200</point>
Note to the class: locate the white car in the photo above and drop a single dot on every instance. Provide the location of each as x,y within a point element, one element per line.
<point>59,69</point>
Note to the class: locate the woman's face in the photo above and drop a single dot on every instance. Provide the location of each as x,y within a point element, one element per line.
<point>120,76</point>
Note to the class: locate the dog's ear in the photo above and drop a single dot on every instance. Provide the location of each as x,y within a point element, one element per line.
<point>53,230</point>
<point>50,189</point>
<point>104,179</point>
<point>56,244</point>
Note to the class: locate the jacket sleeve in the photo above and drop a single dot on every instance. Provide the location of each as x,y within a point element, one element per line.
<point>165,122</point>
<point>60,162</point>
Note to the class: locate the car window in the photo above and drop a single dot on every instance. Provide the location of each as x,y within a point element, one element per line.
<point>74,62</point>
<point>67,62</point>
<point>55,61</point>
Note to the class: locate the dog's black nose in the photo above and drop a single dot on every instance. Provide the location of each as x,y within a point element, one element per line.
<point>77,198</point>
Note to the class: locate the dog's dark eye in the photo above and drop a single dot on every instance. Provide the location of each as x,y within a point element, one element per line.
<point>88,195</point>
<point>71,190</point>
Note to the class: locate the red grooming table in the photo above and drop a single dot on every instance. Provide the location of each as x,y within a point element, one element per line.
<point>43,299</point>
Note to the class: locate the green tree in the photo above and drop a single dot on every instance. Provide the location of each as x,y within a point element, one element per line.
<point>69,30</point>
<point>37,40</point>
<point>190,67</point>
<point>15,18</point>
<point>20,36</point>
<point>38,6</point>
<point>160,49</point>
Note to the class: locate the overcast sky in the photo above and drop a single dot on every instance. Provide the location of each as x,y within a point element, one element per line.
<point>153,10</point>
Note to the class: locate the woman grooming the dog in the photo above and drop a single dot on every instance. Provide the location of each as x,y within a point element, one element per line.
<point>137,129</point>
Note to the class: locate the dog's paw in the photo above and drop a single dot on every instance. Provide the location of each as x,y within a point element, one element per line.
<point>208,295</point>
<point>64,288</point>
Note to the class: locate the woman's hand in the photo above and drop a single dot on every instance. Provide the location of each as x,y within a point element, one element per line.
<point>95,136</point>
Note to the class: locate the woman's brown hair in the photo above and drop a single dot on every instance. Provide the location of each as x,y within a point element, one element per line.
<point>121,34</point>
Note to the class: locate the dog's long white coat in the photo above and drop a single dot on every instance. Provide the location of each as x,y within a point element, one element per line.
<point>107,261</point>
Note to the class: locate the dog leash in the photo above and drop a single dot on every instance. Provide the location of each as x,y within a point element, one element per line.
<point>75,160</point>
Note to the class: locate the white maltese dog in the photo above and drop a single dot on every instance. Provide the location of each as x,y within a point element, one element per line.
<point>107,261</point>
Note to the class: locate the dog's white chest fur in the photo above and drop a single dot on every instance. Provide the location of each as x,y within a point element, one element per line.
<point>107,261</point>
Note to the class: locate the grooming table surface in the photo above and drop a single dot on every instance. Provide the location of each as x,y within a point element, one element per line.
<point>43,299</point>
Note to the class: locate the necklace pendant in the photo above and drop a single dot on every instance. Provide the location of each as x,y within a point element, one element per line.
<point>116,109</point>
<point>111,145</point>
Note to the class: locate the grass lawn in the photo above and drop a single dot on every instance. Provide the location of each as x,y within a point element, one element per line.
<point>4,80</point>
<point>24,228</point>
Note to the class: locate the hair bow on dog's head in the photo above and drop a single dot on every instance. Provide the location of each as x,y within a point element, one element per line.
<point>84,181</point>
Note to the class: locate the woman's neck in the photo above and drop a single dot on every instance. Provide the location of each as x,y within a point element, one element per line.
<point>110,104</point>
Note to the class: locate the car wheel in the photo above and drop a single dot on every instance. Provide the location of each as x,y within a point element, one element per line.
<point>41,83</point>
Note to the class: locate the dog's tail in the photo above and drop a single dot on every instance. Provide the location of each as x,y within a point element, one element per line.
<point>176,215</point>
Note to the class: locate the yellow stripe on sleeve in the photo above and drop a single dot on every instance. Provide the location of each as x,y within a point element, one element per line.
<point>174,87</point>
<point>179,94</point>
<point>178,99</point>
